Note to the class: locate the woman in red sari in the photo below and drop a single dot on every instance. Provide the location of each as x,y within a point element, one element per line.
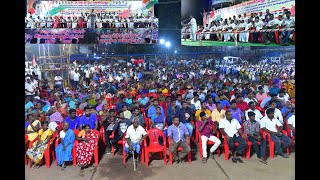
<point>88,139</point>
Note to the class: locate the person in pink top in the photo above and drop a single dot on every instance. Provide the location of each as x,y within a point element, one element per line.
<point>207,133</point>
<point>56,22</point>
<point>261,95</point>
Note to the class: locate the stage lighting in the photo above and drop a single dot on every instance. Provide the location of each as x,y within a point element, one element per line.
<point>168,44</point>
<point>175,51</point>
<point>162,41</point>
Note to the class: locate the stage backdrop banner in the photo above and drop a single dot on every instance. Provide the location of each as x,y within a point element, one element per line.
<point>91,36</point>
<point>60,8</point>
<point>254,6</point>
<point>132,36</point>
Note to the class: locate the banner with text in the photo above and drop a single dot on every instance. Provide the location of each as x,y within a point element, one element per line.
<point>254,6</point>
<point>91,36</point>
<point>67,8</point>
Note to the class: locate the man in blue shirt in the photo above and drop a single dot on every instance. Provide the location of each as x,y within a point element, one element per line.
<point>73,120</point>
<point>120,103</point>
<point>89,118</point>
<point>185,116</point>
<point>274,89</point>
<point>152,109</point>
<point>224,103</point>
<point>286,110</point>
<point>178,101</point>
<point>177,134</point>
<point>236,112</point>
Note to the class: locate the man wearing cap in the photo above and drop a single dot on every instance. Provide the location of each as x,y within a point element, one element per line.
<point>206,131</point>
<point>73,120</point>
<point>272,125</point>
<point>252,129</point>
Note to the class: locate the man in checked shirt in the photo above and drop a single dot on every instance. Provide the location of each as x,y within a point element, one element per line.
<point>252,129</point>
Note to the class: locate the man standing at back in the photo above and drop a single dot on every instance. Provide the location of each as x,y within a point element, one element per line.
<point>193,28</point>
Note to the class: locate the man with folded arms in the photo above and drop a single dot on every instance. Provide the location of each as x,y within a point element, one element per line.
<point>206,131</point>
<point>269,123</point>
<point>231,129</point>
<point>177,134</point>
<point>252,129</point>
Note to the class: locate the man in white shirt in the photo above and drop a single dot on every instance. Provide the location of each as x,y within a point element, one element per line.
<point>269,124</point>
<point>76,78</point>
<point>288,22</point>
<point>277,112</point>
<point>195,101</point>
<point>58,81</point>
<point>29,89</point>
<point>193,28</point>
<point>134,136</point>
<point>257,113</point>
<point>87,75</point>
<point>226,34</point>
<point>71,75</point>
<point>292,122</point>
<point>250,98</point>
<point>233,29</point>
<point>258,24</point>
<point>231,129</point>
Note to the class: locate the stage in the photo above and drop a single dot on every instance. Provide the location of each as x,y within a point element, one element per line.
<point>188,42</point>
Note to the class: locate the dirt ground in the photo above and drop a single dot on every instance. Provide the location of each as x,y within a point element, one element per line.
<point>111,167</point>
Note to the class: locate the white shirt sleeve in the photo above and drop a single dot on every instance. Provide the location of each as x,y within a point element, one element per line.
<point>238,125</point>
<point>262,123</point>
<point>278,123</point>
<point>221,124</point>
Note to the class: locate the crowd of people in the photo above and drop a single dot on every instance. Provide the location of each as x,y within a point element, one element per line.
<point>91,20</point>
<point>185,100</point>
<point>238,29</point>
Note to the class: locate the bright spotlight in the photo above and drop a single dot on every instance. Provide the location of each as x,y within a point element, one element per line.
<point>94,54</point>
<point>103,53</point>
<point>175,51</point>
<point>162,41</point>
<point>168,44</point>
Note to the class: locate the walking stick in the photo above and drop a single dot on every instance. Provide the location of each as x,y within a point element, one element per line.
<point>134,161</point>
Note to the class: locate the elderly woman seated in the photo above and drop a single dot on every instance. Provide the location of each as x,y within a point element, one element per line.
<point>64,149</point>
<point>35,153</point>
<point>32,127</point>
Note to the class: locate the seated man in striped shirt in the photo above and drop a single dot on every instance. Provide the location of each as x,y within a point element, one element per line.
<point>252,129</point>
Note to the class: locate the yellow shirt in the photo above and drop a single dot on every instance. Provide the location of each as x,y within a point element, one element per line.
<point>44,134</point>
<point>165,91</point>
<point>197,115</point>
<point>217,116</point>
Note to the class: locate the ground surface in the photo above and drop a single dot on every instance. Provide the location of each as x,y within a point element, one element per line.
<point>111,167</point>
<point>219,43</point>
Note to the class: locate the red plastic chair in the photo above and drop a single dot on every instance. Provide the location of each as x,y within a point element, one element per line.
<point>48,150</point>
<point>142,155</point>
<point>102,136</point>
<point>226,147</point>
<point>248,149</point>
<point>25,143</point>
<point>154,145</point>
<point>208,142</point>
<point>180,149</point>
<point>74,160</point>
<point>266,136</point>
<point>95,151</point>
<point>154,95</point>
